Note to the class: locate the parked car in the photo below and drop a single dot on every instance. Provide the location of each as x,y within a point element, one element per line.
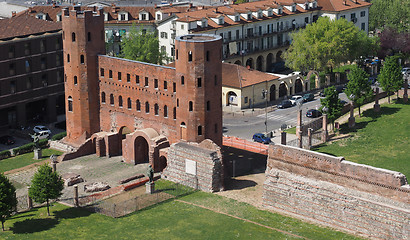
<point>313,113</point>
<point>295,98</point>
<point>39,128</point>
<point>308,97</point>
<point>7,140</point>
<point>405,70</point>
<point>261,138</point>
<point>285,104</point>
<point>41,135</point>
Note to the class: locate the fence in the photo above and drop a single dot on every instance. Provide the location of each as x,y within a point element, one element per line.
<point>245,145</point>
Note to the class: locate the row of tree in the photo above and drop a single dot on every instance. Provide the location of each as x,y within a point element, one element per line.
<point>45,185</point>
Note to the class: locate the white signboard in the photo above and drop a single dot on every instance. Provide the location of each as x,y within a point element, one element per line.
<point>190,167</point>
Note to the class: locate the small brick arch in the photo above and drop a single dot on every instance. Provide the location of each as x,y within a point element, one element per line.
<point>317,82</point>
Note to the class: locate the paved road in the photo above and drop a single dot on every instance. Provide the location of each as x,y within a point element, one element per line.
<point>245,126</point>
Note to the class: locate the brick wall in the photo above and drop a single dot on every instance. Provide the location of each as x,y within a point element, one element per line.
<point>329,190</point>
<point>208,160</point>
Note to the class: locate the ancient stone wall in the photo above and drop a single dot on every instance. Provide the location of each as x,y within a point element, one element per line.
<point>195,165</point>
<point>351,197</point>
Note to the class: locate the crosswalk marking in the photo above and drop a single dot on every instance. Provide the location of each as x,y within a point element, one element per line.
<point>281,118</point>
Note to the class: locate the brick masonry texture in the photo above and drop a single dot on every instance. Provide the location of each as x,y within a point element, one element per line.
<point>209,167</point>
<point>352,197</point>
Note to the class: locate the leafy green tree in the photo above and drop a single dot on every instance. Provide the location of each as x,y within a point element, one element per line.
<point>358,88</point>
<point>331,104</point>
<point>8,200</point>
<point>142,46</point>
<point>46,185</point>
<point>390,77</point>
<point>390,13</point>
<point>326,44</point>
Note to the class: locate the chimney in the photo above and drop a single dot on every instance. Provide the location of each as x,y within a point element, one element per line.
<point>344,2</point>
<point>13,13</point>
<point>54,5</point>
<point>190,5</point>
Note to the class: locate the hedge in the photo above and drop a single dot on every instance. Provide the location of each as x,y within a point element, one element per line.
<point>5,154</point>
<point>43,143</point>
<point>59,136</point>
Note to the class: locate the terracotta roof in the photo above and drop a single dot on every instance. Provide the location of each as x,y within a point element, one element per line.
<point>24,25</point>
<point>239,77</point>
<point>338,5</point>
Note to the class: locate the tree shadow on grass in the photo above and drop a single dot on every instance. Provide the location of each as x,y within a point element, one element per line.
<point>33,225</point>
<point>70,213</point>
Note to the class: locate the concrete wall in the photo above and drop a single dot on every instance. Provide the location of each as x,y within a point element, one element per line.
<point>183,156</point>
<point>351,197</point>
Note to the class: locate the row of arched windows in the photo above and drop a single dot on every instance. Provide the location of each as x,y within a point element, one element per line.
<point>137,105</point>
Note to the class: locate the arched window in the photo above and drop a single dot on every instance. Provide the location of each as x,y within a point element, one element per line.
<point>146,107</point>
<point>112,99</point>
<point>73,37</point>
<point>174,113</point>
<point>75,80</point>
<point>68,57</point>
<point>129,103</point>
<point>120,101</point>
<point>156,109</point>
<point>189,56</point>
<point>138,103</point>
<point>182,80</point>
<point>70,104</point>
<point>191,106</point>
<point>208,105</point>
<point>165,111</point>
<point>103,97</point>
<point>82,59</point>
<point>199,130</point>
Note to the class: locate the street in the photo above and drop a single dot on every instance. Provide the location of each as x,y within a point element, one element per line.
<point>245,126</point>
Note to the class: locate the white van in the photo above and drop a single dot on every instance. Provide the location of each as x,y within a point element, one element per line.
<point>42,135</point>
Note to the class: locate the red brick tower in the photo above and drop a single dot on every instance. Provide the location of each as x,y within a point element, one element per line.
<point>83,41</point>
<point>199,87</point>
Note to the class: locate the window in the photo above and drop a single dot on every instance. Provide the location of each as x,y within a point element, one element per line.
<point>207,55</point>
<point>110,74</point>
<point>199,130</point>
<point>73,37</point>
<point>363,26</point>
<point>190,56</point>
<point>120,101</point>
<point>156,83</point>
<point>58,61</point>
<point>156,109</point>
<point>208,105</point>
<point>12,87</point>
<point>102,72</point>
<point>229,35</point>
<point>103,97</point>
<point>177,102</point>
<point>70,104</point>
<point>137,79</point>
<point>143,16</point>
<point>122,17</point>
<point>128,77</point>
<point>237,34</point>
<point>182,26</point>
<point>12,69</point>
<point>89,36</point>
<point>112,100</point>
<point>164,35</point>
<point>215,80</point>
<point>174,113</point>
<point>199,82</point>
<point>138,104</point>
<point>174,87</point>
<point>146,107</point>
<point>176,55</point>
<point>44,80</point>
<point>146,82</point>
<point>165,85</point>
<point>165,111</point>
<point>82,59</point>
<point>129,104</point>
<point>43,63</point>
<point>28,65</point>
<point>306,19</point>
<point>59,18</point>
<point>343,16</point>
<point>68,58</point>
<point>353,17</point>
<point>119,76</point>
<point>246,100</point>
<point>191,106</point>
<point>362,13</point>
<point>12,51</point>
<point>42,45</point>
<point>29,84</point>
<point>59,76</point>
<point>182,80</point>
<point>27,48</point>
<point>75,80</point>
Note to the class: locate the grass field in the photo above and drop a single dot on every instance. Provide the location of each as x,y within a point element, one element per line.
<point>25,159</point>
<point>173,219</point>
<point>379,139</point>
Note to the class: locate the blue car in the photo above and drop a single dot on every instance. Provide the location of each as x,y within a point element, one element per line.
<point>259,137</point>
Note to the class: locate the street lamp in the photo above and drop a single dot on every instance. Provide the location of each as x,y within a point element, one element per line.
<point>264,96</point>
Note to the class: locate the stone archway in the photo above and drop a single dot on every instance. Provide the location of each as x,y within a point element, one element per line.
<point>249,62</point>
<point>122,133</point>
<point>141,150</point>
<point>283,90</point>
<point>259,63</point>
<point>298,86</point>
<point>231,99</point>
<point>308,78</point>
<point>279,56</point>
<point>183,131</point>
<point>272,93</point>
<point>269,61</point>
<point>238,62</point>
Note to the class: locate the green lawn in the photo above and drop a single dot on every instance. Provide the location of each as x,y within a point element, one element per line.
<point>171,219</point>
<point>380,139</point>
<point>24,160</point>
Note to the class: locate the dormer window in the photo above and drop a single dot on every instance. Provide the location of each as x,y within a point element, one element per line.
<point>221,20</point>
<point>294,8</point>
<point>249,17</point>
<point>123,16</point>
<point>259,14</point>
<point>270,13</point>
<point>143,15</point>
<point>41,16</point>
<point>280,11</point>
<point>59,17</point>
<point>237,18</point>
<point>158,16</point>
<point>105,16</point>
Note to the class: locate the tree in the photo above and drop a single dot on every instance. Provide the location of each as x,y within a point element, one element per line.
<point>326,44</point>
<point>46,185</point>
<point>390,13</point>
<point>8,200</point>
<point>358,88</point>
<point>390,77</point>
<point>393,42</point>
<point>142,46</point>
<point>331,104</point>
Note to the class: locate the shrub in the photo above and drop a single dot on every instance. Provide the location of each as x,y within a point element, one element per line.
<point>5,154</point>
<point>59,136</point>
<point>43,143</point>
